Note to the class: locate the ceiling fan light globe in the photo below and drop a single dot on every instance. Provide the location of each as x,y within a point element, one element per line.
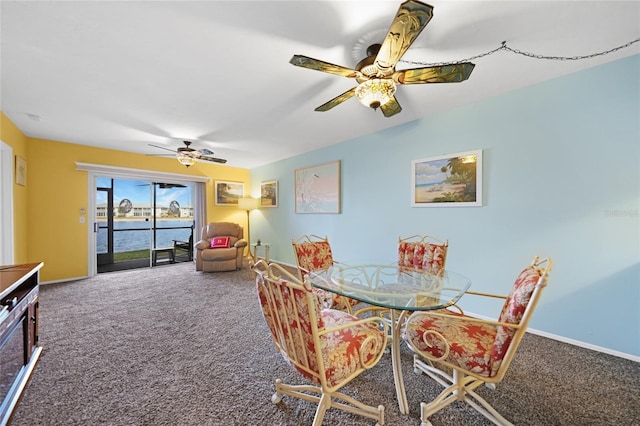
<point>185,160</point>
<point>375,92</point>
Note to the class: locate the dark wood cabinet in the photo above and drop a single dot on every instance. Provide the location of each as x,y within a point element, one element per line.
<point>19,346</point>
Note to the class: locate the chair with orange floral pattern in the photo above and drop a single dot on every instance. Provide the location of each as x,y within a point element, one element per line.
<point>478,351</point>
<point>424,253</point>
<point>328,347</point>
<point>313,254</point>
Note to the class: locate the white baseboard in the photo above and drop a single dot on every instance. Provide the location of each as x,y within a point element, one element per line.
<point>584,345</point>
<point>63,280</point>
<point>570,341</point>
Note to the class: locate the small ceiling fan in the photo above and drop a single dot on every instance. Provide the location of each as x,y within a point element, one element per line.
<point>188,156</point>
<point>376,74</point>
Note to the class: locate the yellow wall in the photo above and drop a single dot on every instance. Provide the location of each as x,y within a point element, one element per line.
<point>47,210</point>
<point>13,137</point>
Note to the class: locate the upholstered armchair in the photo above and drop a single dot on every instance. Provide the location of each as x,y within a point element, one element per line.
<point>477,351</point>
<point>328,347</point>
<point>423,253</point>
<point>313,254</point>
<point>221,247</point>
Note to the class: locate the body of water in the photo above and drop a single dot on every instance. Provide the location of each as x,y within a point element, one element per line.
<point>138,235</point>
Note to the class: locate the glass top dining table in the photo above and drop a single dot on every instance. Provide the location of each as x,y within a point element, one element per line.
<point>393,287</point>
<point>399,291</point>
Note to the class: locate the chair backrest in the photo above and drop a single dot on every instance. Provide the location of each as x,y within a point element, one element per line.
<point>292,312</point>
<point>223,229</point>
<point>423,252</point>
<point>312,253</point>
<point>518,309</point>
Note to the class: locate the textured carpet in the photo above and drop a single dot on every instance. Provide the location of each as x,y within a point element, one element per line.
<point>172,346</point>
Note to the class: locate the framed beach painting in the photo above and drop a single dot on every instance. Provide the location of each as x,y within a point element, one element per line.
<point>317,188</point>
<point>447,180</point>
<point>269,194</point>
<point>228,193</point>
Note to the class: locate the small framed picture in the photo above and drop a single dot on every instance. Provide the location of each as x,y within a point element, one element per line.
<point>21,171</point>
<point>228,193</point>
<point>453,180</point>
<point>269,194</point>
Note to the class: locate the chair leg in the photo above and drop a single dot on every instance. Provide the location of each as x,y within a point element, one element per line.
<point>323,405</point>
<point>458,387</point>
<point>326,400</point>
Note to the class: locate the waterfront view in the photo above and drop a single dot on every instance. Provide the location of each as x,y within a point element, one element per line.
<point>131,235</point>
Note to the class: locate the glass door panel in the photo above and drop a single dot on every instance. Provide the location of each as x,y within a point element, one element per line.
<point>134,217</point>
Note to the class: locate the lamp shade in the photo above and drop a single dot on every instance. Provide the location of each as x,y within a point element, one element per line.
<point>248,203</point>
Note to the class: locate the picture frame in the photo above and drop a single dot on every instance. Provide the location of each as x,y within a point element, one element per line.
<point>21,171</point>
<point>452,180</point>
<point>269,194</point>
<point>228,193</point>
<point>317,188</point>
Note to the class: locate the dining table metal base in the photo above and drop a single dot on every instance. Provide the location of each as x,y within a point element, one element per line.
<point>397,321</point>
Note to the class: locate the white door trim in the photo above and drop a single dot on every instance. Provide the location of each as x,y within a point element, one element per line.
<point>6,205</point>
<point>101,170</point>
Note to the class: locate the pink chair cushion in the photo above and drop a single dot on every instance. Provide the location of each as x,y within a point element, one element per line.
<point>470,343</point>
<point>426,256</point>
<point>513,310</point>
<point>314,256</point>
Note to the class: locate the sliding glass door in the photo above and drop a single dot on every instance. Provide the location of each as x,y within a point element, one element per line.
<point>134,217</point>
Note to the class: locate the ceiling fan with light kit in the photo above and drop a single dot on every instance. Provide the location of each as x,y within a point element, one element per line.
<point>188,156</point>
<point>376,74</point>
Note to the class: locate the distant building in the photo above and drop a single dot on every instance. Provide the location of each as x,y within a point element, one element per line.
<point>140,210</point>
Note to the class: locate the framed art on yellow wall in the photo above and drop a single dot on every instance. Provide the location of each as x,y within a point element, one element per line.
<point>228,193</point>
<point>21,171</point>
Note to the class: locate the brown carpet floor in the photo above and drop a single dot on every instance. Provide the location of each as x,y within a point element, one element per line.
<point>172,346</point>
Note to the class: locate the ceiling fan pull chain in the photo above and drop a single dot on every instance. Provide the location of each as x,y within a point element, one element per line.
<point>523,53</point>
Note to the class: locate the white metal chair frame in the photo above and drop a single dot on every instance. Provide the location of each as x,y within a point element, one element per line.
<point>274,280</point>
<point>461,385</point>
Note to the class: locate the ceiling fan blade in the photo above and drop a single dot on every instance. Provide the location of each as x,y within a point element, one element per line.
<point>205,151</point>
<point>391,108</point>
<point>162,147</point>
<point>410,20</point>
<point>337,100</point>
<point>443,74</point>
<point>213,159</point>
<point>318,65</point>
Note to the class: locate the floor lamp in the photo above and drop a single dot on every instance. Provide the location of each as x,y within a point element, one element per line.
<point>248,204</point>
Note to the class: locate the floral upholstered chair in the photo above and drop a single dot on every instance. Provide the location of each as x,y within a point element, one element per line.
<point>327,347</point>
<point>423,253</point>
<point>477,351</point>
<point>313,254</point>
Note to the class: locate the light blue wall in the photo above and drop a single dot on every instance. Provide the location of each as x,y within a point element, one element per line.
<point>561,179</point>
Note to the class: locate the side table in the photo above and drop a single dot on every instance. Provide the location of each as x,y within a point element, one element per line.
<point>266,247</point>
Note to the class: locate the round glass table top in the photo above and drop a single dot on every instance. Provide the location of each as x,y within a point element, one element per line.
<point>391,286</point>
